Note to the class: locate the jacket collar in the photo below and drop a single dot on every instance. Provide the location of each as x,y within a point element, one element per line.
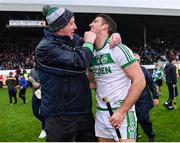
<point>52,36</point>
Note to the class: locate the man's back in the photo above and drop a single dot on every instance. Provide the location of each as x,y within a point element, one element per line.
<point>170,73</point>
<point>10,81</point>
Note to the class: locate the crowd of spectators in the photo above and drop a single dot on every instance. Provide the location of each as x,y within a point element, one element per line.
<point>16,55</point>
<point>156,50</point>
<point>19,54</point>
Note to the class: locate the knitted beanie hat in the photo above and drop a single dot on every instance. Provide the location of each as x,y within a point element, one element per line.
<point>57,18</point>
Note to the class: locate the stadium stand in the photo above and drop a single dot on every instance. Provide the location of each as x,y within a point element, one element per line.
<point>162,34</point>
<point>15,55</point>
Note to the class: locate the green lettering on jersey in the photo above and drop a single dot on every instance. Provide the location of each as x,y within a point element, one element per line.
<point>102,59</point>
<point>108,70</point>
<point>101,70</point>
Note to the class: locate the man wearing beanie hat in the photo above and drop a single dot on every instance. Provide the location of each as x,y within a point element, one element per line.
<point>57,18</point>
<point>61,61</point>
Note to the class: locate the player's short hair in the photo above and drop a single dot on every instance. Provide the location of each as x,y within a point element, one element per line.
<point>108,20</point>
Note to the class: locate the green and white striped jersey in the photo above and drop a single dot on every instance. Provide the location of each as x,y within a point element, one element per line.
<point>107,66</point>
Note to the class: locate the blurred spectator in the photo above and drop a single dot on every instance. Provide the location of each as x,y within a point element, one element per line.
<point>171,80</point>
<point>26,75</point>
<point>23,86</point>
<point>18,71</point>
<point>10,82</point>
<point>158,77</point>
<point>1,81</point>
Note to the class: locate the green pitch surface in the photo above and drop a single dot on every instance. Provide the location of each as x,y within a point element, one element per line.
<point>17,123</point>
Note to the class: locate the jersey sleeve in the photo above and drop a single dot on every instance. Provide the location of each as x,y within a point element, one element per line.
<point>122,55</point>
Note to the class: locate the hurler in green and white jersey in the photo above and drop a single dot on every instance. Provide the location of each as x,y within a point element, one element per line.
<point>111,81</point>
<point>119,77</point>
<point>107,66</point>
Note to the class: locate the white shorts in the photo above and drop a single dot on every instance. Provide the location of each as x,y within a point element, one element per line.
<point>104,129</point>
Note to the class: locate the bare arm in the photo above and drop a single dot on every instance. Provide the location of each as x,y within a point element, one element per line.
<point>135,74</point>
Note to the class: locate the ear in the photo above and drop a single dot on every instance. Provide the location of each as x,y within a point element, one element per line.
<point>105,26</point>
<point>59,31</point>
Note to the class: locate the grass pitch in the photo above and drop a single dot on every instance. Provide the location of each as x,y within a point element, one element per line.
<point>17,123</point>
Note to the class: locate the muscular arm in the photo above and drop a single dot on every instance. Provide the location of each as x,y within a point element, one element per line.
<point>135,74</point>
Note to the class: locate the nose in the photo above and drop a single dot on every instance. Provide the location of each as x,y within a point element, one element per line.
<point>75,27</point>
<point>90,24</point>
